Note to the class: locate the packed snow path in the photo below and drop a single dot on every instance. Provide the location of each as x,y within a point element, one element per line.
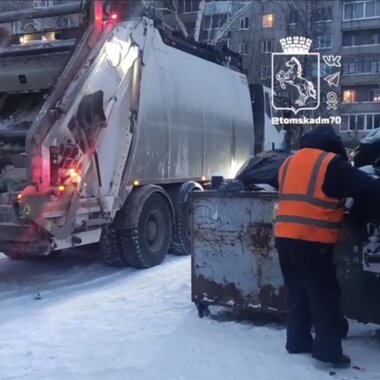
<point>92,322</point>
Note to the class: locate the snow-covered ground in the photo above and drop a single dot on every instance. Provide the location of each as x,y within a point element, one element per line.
<point>99,323</point>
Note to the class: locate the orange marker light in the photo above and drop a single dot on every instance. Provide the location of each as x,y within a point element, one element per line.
<point>19,196</point>
<point>72,173</point>
<point>75,177</point>
<point>61,188</point>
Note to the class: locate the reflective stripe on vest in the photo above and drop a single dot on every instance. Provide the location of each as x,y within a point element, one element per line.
<point>308,221</point>
<point>304,215</point>
<point>309,197</point>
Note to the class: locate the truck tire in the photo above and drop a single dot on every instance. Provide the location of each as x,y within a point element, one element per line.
<point>110,248</point>
<point>181,243</point>
<point>147,245</point>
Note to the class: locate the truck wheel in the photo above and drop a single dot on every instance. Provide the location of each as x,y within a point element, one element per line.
<point>148,244</point>
<point>110,248</point>
<point>181,244</point>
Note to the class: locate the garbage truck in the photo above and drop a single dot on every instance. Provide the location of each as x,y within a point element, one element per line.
<point>107,128</point>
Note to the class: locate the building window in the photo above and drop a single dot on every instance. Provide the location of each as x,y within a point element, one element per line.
<point>243,48</point>
<point>266,46</point>
<point>323,42</point>
<point>376,121</point>
<point>362,65</point>
<point>188,6</point>
<point>361,122</point>
<point>374,95</point>
<point>361,9</point>
<point>349,96</point>
<point>42,3</point>
<point>323,14</point>
<point>375,66</point>
<point>344,124</point>
<point>369,121</point>
<point>244,23</point>
<point>349,40</point>
<point>268,20</point>
<point>375,37</point>
<point>360,38</point>
<point>352,123</point>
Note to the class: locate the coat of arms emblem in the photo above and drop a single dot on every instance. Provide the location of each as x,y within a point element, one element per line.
<point>296,73</point>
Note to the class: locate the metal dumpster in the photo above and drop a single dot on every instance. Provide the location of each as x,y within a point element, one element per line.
<point>235,263</point>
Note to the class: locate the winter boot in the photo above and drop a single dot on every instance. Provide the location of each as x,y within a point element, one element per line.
<point>343,361</point>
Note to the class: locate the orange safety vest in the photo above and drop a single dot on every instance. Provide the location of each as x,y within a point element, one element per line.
<point>304,211</point>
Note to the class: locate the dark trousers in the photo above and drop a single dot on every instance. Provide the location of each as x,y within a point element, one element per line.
<point>314,298</point>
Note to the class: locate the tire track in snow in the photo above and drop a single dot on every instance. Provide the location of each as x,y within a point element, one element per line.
<point>71,271</point>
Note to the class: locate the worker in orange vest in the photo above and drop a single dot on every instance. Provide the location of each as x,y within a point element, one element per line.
<point>312,186</point>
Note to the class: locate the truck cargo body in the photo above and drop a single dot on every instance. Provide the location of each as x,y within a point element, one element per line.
<point>130,110</point>
<point>267,135</point>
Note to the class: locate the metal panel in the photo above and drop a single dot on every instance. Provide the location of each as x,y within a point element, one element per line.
<point>31,72</point>
<point>234,261</point>
<point>194,119</point>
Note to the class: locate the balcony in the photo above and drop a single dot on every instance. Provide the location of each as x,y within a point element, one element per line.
<point>360,107</point>
<point>360,49</point>
<point>359,79</point>
<point>365,23</point>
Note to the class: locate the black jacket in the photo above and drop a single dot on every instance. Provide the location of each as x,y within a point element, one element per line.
<point>342,179</point>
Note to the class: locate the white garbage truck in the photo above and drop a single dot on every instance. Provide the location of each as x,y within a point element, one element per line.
<point>106,129</point>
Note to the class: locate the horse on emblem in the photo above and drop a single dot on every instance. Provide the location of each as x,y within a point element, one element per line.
<point>294,77</point>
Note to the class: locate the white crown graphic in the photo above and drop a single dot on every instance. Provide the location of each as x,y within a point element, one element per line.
<point>295,45</point>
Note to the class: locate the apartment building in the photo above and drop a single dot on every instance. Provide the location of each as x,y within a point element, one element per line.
<point>359,39</point>
<point>350,28</point>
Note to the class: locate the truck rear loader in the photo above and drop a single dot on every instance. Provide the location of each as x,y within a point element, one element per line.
<point>108,130</point>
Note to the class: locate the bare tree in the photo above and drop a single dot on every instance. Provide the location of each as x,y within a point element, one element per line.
<point>198,23</point>
<point>171,7</point>
<point>178,19</point>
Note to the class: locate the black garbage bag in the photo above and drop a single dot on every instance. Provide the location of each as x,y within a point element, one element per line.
<point>231,186</point>
<point>364,209</point>
<point>262,169</point>
<point>368,151</point>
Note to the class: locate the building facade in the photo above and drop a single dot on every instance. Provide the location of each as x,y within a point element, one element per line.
<point>253,28</point>
<point>359,43</point>
<point>349,28</point>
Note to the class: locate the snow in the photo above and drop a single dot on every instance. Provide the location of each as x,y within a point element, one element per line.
<point>98,323</point>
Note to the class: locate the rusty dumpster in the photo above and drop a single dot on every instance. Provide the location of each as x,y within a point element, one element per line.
<point>235,263</point>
